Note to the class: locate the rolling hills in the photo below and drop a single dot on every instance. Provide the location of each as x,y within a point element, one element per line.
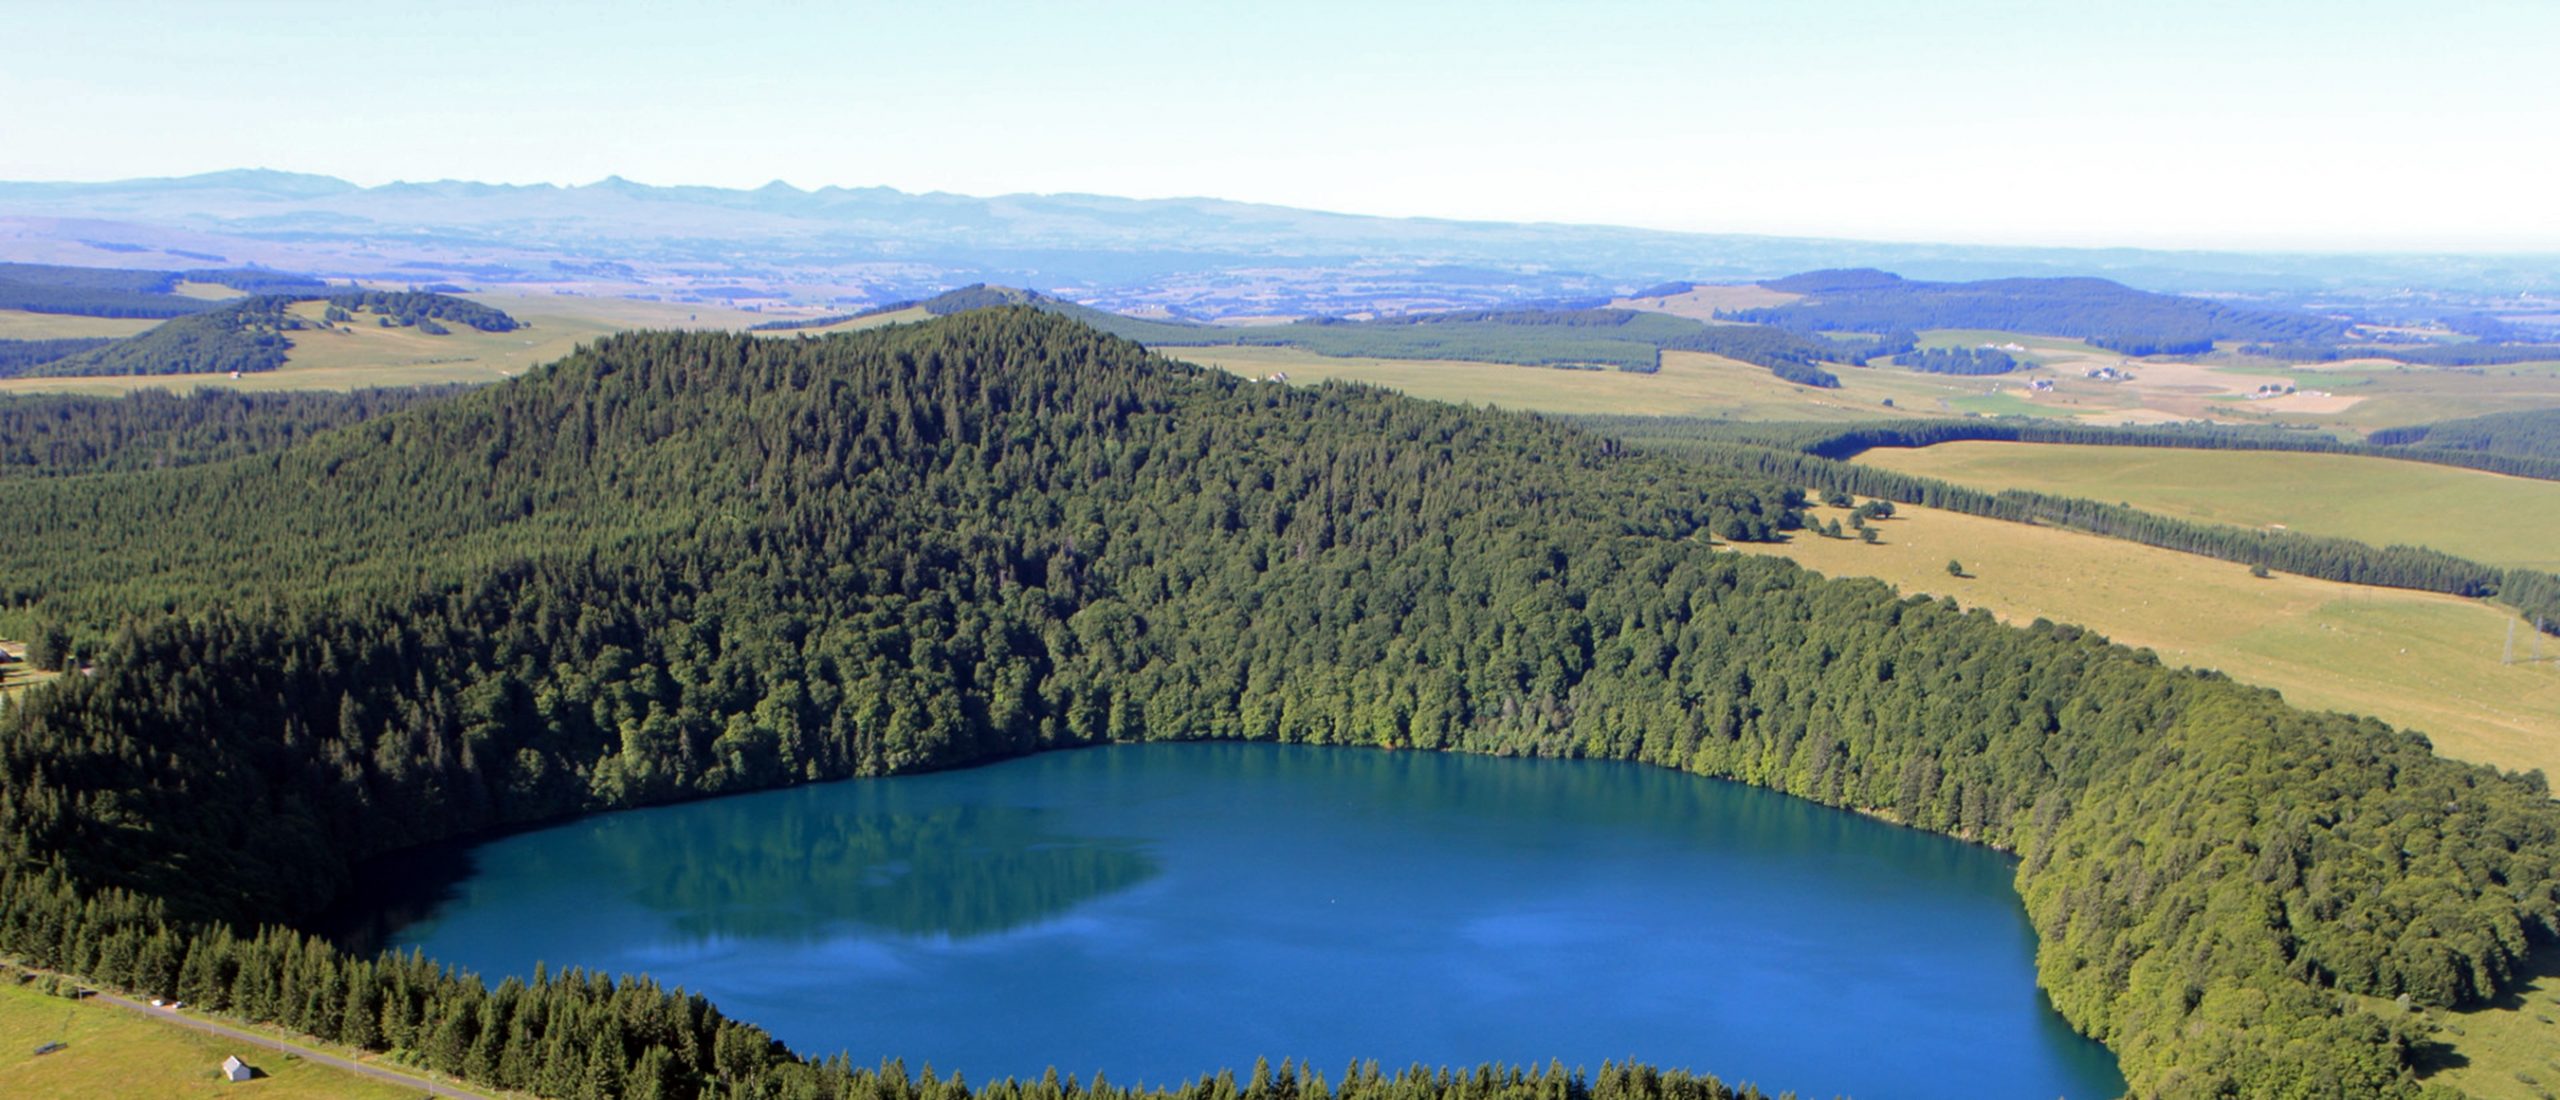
<point>679,565</point>
<point>2105,313</point>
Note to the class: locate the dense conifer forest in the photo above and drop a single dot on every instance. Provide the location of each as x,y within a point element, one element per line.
<point>45,435</point>
<point>19,356</point>
<point>2533,434</point>
<point>674,566</point>
<point>2104,313</point>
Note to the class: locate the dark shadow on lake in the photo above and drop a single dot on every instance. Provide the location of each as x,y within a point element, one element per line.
<point>778,866</point>
<point>393,893</point>
<point>785,868</point>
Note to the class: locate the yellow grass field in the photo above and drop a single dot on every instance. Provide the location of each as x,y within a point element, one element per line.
<point>17,324</point>
<point>112,1052</point>
<point>1689,384</point>
<point>2489,518</point>
<point>2414,659</point>
<point>330,359</point>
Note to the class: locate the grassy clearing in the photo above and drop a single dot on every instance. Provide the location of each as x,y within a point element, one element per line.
<point>16,675</point>
<point>2413,659</point>
<point>2484,517</point>
<point>17,324</point>
<point>2509,1050</point>
<point>110,1051</point>
<point>210,292</point>
<point>17,678</point>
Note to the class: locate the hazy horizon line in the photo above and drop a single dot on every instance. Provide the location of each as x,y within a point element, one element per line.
<point>2167,243</point>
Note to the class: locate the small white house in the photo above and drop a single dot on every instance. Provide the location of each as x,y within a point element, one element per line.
<point>233,1069</point>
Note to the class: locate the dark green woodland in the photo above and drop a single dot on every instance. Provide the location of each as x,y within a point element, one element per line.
<point>674,566</point>
<point>60,434</point>
<point>2533,433</point>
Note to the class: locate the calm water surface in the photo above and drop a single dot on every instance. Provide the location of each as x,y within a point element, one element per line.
<point>1158,912</point>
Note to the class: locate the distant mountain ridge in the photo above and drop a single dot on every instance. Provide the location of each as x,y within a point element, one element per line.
<point>865,245</point>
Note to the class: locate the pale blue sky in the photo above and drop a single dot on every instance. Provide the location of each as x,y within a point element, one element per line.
<point>2330,125</point>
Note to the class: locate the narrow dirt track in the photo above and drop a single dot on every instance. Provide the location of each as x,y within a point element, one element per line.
<point>424,1086</point>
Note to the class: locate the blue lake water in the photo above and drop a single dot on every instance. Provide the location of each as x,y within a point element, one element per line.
<point>1158,912</point>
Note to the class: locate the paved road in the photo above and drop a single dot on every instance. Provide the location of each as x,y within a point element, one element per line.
<point>424,1086</point>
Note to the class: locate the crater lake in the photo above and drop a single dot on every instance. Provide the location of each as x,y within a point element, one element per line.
<point>1160,912</point>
